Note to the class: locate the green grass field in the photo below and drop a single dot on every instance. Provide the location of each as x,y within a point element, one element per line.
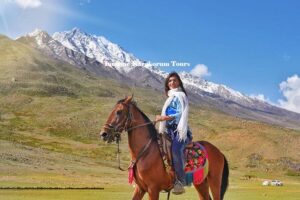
<point>240,190</point>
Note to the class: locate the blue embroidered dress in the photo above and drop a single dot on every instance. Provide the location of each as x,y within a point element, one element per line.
<point>174,110</point>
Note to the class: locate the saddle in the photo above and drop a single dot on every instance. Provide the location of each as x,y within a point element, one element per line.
<point>196,165</point>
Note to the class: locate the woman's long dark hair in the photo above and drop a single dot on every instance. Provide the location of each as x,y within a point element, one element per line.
<point>167,83</point>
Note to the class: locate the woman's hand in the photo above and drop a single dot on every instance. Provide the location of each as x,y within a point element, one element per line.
<point>162,118</point>
<point>158,118</point>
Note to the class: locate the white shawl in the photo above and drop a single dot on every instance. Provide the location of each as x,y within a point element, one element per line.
<point>182,126</point>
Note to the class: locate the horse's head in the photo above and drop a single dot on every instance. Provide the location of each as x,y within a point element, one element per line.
<point>118,120</point>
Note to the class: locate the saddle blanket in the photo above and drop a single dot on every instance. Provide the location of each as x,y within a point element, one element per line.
<point>196,166</point>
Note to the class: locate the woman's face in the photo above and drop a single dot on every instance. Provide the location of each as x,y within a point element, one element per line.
<point>173,82</point>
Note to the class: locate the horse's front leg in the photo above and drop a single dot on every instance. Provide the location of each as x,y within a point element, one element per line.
<point>153,194</point>
<point>138,193</point>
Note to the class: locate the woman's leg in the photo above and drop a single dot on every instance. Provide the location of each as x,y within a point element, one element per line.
<point>178,159</point>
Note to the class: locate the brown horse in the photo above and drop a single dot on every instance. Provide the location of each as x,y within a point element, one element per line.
<point>149,171</point>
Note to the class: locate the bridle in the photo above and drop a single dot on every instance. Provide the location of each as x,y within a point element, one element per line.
<point>115,131</point>
<point>127,125</point>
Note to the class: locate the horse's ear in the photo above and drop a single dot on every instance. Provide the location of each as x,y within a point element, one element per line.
<point>128,99</point>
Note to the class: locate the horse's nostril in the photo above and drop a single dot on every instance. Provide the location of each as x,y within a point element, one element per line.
<point>103,134</point>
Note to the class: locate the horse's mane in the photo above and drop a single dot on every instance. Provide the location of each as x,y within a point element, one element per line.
<point>151,127</point>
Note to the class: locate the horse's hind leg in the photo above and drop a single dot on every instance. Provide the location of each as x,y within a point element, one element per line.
<point>203,190</point>
<point>138,193</point>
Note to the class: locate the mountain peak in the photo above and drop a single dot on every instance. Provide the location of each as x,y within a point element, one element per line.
<point>74,32</point>
<point>78,31</point>
<point>41,37</point>
<point>37,32</point>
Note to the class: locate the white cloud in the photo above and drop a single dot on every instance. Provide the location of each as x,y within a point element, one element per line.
<point>18,19</point>
<point>200,70</point>
<point>291,92</point>
<point>262,97</point>
<point>28,3</point>
<point>50,15</point>
<point>259,97</point>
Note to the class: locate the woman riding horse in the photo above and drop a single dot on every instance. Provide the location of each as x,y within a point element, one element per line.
<point>147,166</point>
<point>174,121</point>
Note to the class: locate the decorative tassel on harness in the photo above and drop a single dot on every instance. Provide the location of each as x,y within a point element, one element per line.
<point>131,172</point>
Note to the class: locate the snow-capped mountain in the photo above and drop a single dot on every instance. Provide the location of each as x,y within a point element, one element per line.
<point>102,50</point>
<point>111,55</point>
<point>210,87</point>
<point>42,40</point>
<point>97,47</point>
<point>105,52</point>
<point>102,57</point>
<point>53,48</point>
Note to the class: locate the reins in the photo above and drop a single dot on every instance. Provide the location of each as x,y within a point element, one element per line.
<point>145,124</point>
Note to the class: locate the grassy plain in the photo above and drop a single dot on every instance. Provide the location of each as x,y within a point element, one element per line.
<point>239,190</point>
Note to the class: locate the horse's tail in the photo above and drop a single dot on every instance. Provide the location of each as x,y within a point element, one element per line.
<point>225,176</point>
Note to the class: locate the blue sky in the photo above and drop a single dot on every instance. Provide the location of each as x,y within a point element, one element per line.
<point>251,46</point>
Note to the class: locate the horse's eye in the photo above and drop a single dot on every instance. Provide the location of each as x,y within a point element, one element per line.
<point>119,112</point>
